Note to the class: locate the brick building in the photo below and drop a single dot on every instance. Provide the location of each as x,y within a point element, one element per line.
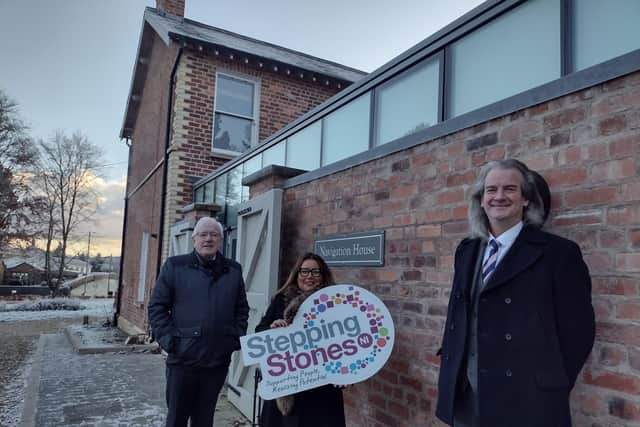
<point>199,97</point>
<point>553,83</point>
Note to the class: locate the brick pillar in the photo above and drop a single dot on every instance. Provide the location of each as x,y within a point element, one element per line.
<point>273,176</point>
<point>195,211</point>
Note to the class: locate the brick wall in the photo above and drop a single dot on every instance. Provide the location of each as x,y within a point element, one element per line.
<point>282,99</point>
<point>587,146</point>
<point>143,215</point>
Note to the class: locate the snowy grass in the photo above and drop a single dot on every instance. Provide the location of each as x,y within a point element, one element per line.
<point>45,304</point>
<point>55,308</point>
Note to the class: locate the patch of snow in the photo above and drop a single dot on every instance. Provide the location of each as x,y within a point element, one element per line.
<point>13,394</point>
<point>45,304</point>
<point>97,336</point>
<point>91,307</point>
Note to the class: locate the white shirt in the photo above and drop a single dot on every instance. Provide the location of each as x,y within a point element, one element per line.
<point>505,241</point>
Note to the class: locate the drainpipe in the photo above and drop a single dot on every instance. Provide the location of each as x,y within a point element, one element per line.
<point>166,161</point>
<point>124,233</point>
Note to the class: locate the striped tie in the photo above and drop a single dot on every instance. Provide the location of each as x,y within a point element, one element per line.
<point>491,262</point>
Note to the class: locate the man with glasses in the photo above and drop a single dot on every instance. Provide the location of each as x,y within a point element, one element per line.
<point>198,311</point>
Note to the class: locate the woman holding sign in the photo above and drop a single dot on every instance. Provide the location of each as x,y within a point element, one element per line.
<point>318,407</point>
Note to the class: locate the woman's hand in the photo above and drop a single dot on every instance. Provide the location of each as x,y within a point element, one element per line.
<point>279,323</point>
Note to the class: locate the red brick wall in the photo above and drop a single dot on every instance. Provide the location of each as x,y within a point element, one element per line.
<point>147,149</point>
<point>587,145</point>
<point>282,100</point>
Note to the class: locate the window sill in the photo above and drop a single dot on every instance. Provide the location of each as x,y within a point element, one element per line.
<point>225,154</point>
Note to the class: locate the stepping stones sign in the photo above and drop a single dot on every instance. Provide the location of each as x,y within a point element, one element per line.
<point>342,334</point>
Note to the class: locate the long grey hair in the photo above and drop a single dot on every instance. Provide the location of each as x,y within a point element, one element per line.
<point>533,213</point>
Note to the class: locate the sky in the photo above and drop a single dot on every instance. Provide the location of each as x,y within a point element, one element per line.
<point>68,63</point>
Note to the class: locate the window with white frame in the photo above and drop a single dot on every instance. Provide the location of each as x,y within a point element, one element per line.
<point>235,117</point>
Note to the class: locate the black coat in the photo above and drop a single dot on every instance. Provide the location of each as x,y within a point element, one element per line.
<point>197,313</point>
<point>318,407</point>
<point>535,331</point>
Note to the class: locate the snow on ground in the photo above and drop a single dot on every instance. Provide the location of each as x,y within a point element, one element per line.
<point>13,395</point>
<point>92,308</point>
<point>97,336</point>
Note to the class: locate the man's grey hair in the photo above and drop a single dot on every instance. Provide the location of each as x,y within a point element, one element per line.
<point>206,221</point>
<point>533,213</point>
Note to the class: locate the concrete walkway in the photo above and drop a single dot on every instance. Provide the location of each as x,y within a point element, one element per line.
<point>108,389</point>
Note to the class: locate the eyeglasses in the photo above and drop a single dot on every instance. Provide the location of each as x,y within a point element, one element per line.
<point>212,234</point>
<point>315,272</point>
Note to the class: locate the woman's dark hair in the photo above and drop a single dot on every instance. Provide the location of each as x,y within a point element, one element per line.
<point>290,288</point>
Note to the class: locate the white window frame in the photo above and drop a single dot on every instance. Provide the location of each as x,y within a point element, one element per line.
<point>255,120</point>
<point>142,277</point>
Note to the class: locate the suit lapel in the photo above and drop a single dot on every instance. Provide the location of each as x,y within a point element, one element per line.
<point>469,256</point>
<point>528,247</point>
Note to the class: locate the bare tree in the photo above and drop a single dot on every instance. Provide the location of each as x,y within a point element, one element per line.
<point>69,168</point>
<point>18,154</point>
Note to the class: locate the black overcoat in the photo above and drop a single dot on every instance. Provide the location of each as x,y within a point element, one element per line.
<point>536,329</point>
<point>318,407</point>
<point>198,314</point>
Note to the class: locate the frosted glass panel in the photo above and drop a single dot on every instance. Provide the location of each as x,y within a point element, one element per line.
<point>408,103</point>
<point>274,155</point>
<point>252,165</point>
<point>346,131</point>
<point>516,52</point>
<point>303,148</point>
<point>604,30</point>
<point>209,191</point>
<point>234,195</point>
<point>221,190</point>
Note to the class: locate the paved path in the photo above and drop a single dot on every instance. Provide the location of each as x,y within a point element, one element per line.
<point>111,389</point>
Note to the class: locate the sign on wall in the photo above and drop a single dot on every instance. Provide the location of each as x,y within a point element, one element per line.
<point>342,334</point>
<point>363,249</point>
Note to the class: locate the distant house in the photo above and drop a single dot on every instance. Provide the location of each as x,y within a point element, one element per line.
<point>21,272</point>
<point>199,97</point>
<point>78,266</point>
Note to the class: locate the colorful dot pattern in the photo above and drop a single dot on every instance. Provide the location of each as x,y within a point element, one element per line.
<point>379,333</point>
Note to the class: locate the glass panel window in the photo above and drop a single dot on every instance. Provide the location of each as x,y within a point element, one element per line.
<point>234,195</point>
<point>232,133</point>
<point>346,131</point>
<point>303,148</point>
<point>250,166</point>
<point>221,190</point>
<point>209,189</point>
<point>604,30</point>
<point>199,196</point>
<point>274,155</point>
<point>487,66</point>
<point>408,103</point>
<point>234,96</point>
<point>235,115</point>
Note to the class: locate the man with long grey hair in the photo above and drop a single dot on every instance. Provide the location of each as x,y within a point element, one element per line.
<point>520,323</point>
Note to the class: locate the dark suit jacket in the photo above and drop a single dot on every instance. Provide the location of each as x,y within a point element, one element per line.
<point>536,329</point>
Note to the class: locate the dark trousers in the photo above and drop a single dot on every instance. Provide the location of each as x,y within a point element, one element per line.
<point>192,393</point>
